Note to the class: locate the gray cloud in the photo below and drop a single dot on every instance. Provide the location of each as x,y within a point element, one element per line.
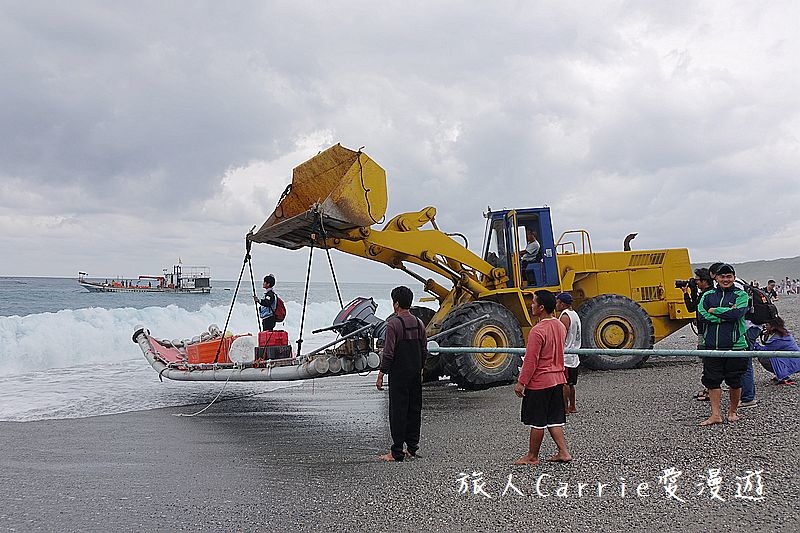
<point>132,132</point>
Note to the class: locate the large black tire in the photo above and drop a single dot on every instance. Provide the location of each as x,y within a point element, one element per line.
<point>433,365</point>
<point>501,329</point>
<point>613,321</point>
<point>423,313</point>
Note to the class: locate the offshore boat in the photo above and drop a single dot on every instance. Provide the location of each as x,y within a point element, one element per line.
<point>188,279</point>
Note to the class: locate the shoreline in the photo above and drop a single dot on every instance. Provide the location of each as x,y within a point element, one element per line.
<point>305,458</point>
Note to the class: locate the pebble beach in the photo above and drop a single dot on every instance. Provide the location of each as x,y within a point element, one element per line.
<point>304,458</point>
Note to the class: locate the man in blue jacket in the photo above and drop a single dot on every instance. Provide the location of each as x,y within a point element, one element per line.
<point>723,309</point>
<point>267,304</point>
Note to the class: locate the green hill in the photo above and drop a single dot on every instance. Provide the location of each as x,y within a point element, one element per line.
<point>761,271</point>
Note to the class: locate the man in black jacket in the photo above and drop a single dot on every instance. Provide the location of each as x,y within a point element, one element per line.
<point>703,281</point>
<point>770,290</point>
<point>691,297</point>
<point>404,353</point>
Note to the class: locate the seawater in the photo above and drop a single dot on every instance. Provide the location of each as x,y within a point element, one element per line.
<point>68,353</point>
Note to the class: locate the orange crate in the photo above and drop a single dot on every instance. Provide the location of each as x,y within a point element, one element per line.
<point>204,352</point>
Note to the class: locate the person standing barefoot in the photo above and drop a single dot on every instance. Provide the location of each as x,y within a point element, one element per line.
<point>572,322</point>
<point>723,310</point>
<point>541,381</point>
<point>403,358</point>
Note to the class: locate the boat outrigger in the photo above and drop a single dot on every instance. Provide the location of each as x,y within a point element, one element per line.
<point>190,279</point>
<point>214,356</point>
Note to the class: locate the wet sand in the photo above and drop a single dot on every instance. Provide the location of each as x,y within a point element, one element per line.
<point>305,458</point>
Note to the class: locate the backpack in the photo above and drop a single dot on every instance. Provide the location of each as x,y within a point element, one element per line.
<point>280,309</point>
<point>762,310</point>
<point>279,312</point>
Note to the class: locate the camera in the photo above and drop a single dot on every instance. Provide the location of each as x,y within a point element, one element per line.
<point>681,283</point>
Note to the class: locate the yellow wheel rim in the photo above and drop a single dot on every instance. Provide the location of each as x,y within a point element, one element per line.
<point>491,337</point>
<point>614,332</point>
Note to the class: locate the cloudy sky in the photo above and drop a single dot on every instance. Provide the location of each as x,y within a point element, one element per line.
<point>137,133</point>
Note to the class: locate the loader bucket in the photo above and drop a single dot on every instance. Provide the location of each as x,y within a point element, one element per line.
<point>346,189</point>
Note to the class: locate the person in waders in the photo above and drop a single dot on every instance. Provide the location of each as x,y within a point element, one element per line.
<point>403,358</point>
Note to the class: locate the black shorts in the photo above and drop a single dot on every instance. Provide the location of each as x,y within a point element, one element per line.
<point>571,375</point>
<point>544,408</point>
<point>717,369</point>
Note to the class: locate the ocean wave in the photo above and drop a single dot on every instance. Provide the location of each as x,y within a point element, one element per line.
<point>94,390</point>
<point>70,338</point>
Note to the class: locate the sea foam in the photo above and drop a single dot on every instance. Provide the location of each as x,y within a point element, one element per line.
<point>100,336</point>
<point>82,362</point>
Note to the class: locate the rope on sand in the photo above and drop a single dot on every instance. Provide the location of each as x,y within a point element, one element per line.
<point>212,401</point>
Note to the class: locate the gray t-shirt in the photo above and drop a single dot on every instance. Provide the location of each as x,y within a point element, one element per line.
<point>531,251</point>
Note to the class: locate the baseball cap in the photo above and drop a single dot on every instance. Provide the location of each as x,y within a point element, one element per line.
<point>565,297</point>
<point>726,269</point>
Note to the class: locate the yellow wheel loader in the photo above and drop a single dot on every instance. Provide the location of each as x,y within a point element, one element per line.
<point>625,299</point>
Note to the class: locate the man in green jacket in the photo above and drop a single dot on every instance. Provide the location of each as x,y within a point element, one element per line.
<point>723,309</point>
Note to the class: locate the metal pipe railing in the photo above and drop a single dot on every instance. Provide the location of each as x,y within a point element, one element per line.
<point>623,351</point>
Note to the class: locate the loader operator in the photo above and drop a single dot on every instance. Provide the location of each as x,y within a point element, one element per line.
<point>404,353</point>
<point>529,262</point>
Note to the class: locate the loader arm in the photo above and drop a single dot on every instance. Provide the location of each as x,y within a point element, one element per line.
<point>429,249</point>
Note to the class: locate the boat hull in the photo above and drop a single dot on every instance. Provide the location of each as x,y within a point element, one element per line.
<point>170,362</point>
<point>97,287</point>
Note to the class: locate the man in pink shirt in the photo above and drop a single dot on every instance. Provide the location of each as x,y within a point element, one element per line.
<point>541,381</point>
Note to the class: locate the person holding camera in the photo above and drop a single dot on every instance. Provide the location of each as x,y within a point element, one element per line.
<point>693,290</point>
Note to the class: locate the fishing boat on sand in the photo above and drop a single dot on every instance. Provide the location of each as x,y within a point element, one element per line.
<point>267,356</point>
<point>188,279</point>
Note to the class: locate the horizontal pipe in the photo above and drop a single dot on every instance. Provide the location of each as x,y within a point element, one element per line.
<point>688,353</point>
<point>624,351</point>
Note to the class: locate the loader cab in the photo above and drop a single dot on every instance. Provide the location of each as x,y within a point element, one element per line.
<point>510,243</point>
